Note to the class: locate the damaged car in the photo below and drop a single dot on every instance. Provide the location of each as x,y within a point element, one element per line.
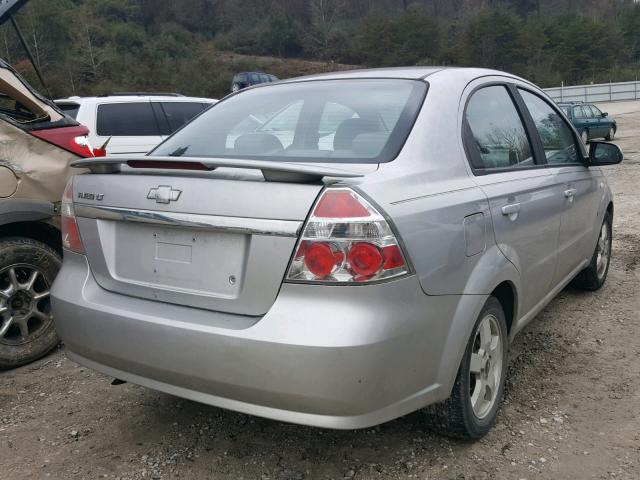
<point>37,143</point>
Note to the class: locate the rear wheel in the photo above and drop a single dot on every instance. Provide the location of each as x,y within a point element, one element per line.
<point>611,135</point>
<point>471,410</point>
<point>27,271</point>
<point>594,276</point>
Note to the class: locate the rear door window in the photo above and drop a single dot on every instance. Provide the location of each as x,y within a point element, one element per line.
<point>180,113</point>
<point>578,112</point>
<point>498,139</point>
<point>126,120</point>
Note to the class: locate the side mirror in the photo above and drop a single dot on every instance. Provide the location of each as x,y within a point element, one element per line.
<point>605,114</point>
<point>604,153</point>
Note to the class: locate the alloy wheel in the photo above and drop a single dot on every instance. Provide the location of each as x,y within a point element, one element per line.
<point>25,308</point>
<point>603,251</point>
<point>486,366</point>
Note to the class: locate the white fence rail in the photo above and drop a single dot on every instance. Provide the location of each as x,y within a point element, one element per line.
<point>603,92</point>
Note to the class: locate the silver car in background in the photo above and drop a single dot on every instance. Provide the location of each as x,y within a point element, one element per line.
<point>337,250</point>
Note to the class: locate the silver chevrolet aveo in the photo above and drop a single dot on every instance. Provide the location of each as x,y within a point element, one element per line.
<point>337,250</point>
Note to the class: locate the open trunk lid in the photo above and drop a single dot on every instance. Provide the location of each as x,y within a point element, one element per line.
<point>213,243</point>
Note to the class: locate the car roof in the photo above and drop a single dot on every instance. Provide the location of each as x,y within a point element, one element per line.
<point>411,73</point>
<point>134,98</point>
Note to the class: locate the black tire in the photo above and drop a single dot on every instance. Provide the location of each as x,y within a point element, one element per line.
<point>27,256</point>
<point>455,416</point>
<point>611,135</point>
<point>593,277</point>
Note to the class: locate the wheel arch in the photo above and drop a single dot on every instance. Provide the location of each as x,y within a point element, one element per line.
<point>40,231</point>
<point>13,210</point>
<point>506,294</point>
<point>30,219</point>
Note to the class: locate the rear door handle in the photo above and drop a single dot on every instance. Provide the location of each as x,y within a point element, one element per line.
<point>570,192</point>
<point>511,209</point>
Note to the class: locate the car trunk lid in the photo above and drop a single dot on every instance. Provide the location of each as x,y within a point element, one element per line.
<point>207,240</point>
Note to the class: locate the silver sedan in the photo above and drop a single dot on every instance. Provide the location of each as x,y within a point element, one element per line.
<point>337,250</point>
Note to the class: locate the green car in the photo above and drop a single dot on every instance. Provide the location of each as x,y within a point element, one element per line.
<point>590,121</point>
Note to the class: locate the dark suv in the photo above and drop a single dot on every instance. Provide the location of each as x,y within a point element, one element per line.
<point>590,121</point>
<point>247,79</point>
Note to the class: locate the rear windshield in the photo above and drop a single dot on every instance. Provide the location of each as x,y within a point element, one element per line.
<point>331,121</point>
<point>70,109</point>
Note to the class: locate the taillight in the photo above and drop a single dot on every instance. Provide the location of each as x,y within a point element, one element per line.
<point>346,240</point>
<point>73,139</point>
<point>70,233</point>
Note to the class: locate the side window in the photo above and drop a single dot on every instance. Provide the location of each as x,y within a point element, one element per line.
<point>499,139</point>
<point>179,113</point>
<point>578,112</point>
<point>588,112</point>
<point>557,136</point>
<point>596,111</point>
<point>126,120</point>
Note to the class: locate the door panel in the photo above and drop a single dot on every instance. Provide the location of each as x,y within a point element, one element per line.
<point>581,198</point>
<point>525,209</point>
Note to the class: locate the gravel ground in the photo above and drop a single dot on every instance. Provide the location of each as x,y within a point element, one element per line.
<point>572,406</point>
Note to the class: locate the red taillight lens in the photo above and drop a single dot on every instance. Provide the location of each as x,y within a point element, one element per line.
<point>392,257</point>
<point>73,139</point>
<point>346,240</point>
<point>365,259</point>
<point>99,152</point>
<point>71,239</point>
<point>320,259</point>
<point>340,204</point>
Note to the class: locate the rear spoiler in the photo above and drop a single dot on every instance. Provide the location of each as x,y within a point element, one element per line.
<point>272,171</point>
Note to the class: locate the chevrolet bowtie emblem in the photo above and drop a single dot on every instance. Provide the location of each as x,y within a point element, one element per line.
<point>164,194</point>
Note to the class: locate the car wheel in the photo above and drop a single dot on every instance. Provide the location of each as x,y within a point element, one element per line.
<point>471,410</point>
<point>235,87</point>
<point>585,136</point>
<point>27,271</point>
<point>611,135</point>
<point>594,276</point>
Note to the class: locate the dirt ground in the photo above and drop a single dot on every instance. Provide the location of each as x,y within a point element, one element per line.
<point>572,406</point>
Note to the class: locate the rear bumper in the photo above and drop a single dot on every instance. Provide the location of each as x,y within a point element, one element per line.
<point>336,357</point>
